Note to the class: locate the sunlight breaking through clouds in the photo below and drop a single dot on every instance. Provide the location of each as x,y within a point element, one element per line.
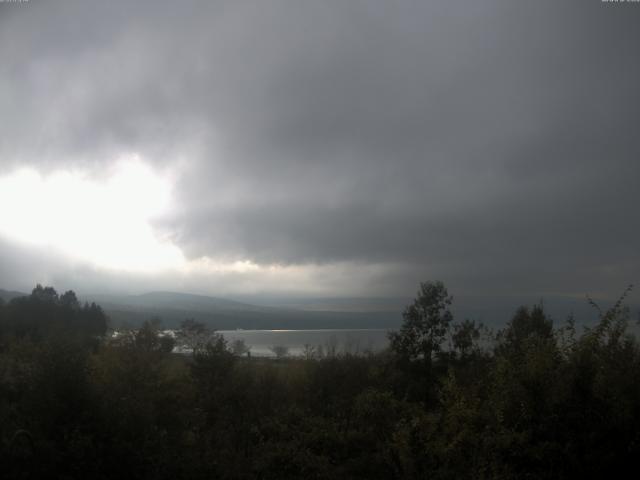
<point>105,221</point>
<point>355,148</point>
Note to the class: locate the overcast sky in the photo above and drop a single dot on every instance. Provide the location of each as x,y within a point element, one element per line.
<point>320,147</point>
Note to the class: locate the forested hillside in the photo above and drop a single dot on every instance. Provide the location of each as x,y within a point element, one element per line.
<point>449,399</point>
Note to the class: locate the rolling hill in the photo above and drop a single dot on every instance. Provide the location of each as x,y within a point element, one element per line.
<point>223,314</point>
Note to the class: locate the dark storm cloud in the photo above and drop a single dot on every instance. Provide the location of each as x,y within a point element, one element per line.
<point>483,142</point>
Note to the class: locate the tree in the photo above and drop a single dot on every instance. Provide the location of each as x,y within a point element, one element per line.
<point>309,352</point>
<point>525,327</point>
<point>426,324</point>
<point>70,300</point>
<point>45,313</point>
<point>239,347</point>
<point>147,338</point>
<point>193,334</point>
<point>465,337</point>
<point>211,366</point>
<point>280,351</point>
<point>44,294</point>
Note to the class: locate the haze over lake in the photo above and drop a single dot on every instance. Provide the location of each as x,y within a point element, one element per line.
<point>355,341</point>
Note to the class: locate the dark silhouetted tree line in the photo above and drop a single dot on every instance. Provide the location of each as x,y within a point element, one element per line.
<point>44,313</point>
<point>447,400</point>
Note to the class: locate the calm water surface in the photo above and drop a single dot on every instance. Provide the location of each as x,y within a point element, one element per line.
<point>296,341</point>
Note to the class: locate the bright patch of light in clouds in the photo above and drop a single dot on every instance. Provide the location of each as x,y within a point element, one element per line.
<point>208,265</point>
<point>104,221</point>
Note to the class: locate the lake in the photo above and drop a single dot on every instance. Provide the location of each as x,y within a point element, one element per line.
<point>296,341</point>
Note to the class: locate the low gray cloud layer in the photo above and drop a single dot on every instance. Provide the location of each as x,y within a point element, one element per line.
<point>493,144</point>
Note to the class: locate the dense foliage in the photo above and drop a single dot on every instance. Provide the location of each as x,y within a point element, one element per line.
<point>448,400</point>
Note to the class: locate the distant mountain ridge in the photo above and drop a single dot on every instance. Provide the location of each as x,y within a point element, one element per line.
<point>224,314</point>
<point>270,313</point>
<point>174,301</point>
<point>8,295</point>
<point>293,313</point>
